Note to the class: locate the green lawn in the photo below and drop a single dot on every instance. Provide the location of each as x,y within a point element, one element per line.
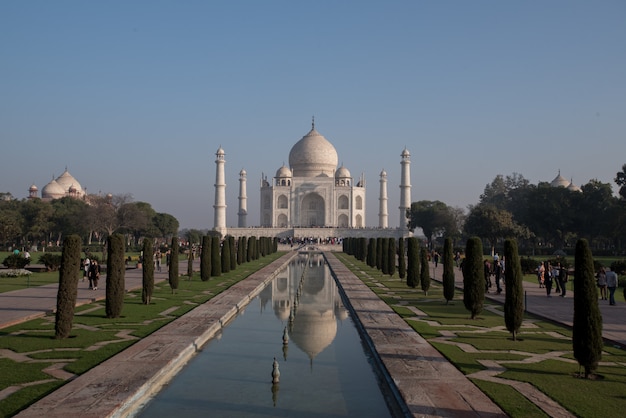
<point>542,357</point>
<point>95,338</point>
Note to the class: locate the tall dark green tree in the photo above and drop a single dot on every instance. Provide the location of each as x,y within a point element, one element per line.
<point>371,252</point>
<point>173,267</point>
<point>391,262</point>
<point>147,273</point>
<point>116,268</point>
<point>216,260</point>
<point>413,262</point>
<point>240,248</point>
<point>225,256</point>
<point>424,271</point>
<point>473,277</point>
<point>69,273</point>
<point>448,270</point>
<point>401,259</point>
<point>379,253</point>
<point>244,249</point>
<point>205,259</point>
<point>190,264</point>
<point>587,326</point>
<point>233,252</point>
<point>514,296</point>
<point>385,256</point>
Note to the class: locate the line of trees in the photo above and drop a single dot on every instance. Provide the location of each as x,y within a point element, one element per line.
<point>34,223</point>
<point>541,217</point>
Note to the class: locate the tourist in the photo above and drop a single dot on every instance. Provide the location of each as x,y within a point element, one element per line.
<point>555,277</point>
<point>497,273</point>
<point>547,279</point>
<point>601,280</point>
<point>487,272</point>
<point>541,272</point>
<point>86,265</point>
<point>563,279</point>
<point>94,275</point>
<point>611,283</point>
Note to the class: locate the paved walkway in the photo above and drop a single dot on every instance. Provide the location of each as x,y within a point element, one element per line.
<point>559,309</point>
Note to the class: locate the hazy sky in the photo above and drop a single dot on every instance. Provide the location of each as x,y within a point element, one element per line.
<point>136,96</point>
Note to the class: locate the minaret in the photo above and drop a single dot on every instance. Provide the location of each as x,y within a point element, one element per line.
<point>383,216</point>
<point>405,188</point>
<point>219,223</point>
<point>243,200</point>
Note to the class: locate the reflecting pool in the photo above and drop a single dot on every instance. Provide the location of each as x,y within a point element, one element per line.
<point>324,367</point>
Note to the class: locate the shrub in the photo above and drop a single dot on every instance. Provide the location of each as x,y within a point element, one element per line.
<point>619,266</point>
<point>147,274</point>
<point>473,277</point>
<point>448,270</point>
<point>51,261</point>
<point>16,261</point>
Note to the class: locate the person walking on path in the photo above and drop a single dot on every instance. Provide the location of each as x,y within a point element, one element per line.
<point>487,272</point>
<point>601,278</point>
<point>497,274</point>
<point>541,274</point>
<point>611,283</point>
<point>548,279</point>
<point>562,279</point>
<point>94,275</point>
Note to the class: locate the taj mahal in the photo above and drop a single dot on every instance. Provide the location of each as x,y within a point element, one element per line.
<point>312,197</point>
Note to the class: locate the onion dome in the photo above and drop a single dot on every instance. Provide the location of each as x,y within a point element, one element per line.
<point>313,156</point>
<point>33,189</point>
<point>559,181</point>
<point>405,153</point>
<point>66,180</point>
<point>572,187</point>
<point>283,172</point>
<point>383,173</point>
<point>52,190</point>
<point>342,172</point>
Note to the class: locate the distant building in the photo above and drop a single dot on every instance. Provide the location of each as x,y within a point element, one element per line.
<point>62,186</point>
<point>560,181</point>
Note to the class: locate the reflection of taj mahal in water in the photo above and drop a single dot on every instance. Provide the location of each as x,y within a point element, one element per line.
<point>311,193</point>
<point>311,307</point>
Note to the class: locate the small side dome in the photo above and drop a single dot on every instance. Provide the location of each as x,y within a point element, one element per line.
<point>383,173</point>
<point>283,172</point>
<point>405,153</point>
<point>52,190</point>
<point>243,173</point>
<point>572,187</point>
<point>33,188</point>
<point>559,181</point>
<point>342,172</point>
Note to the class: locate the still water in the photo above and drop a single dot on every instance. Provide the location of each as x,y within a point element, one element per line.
<point>325,370</point>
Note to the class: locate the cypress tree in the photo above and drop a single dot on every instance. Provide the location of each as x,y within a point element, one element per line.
<point>391,263</point>
<point>244,249</point>
<point>401,259</point>
<point>257,249</point>
<point>147,274</point>
<point>233,252</point>
<point>250,249</point>
<point>69,273</point>
<point>205,259</point>
<point>473,277</point>
<point>448,270</point>
<point>379,253</point>
<point>385,256</point>
<point>413,262</point>
<point>225,256</point>
<point>240,250</point>
<point>514,296</point>
<point>371,253</point>
<point>190,264</point>
<point>587,325</point>
<point>424,270</point>
<point>173,271</point>
<point>116,268</point>
<point>216,261</point>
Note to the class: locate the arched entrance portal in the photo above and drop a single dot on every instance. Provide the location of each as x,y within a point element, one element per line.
<point>312,210</point>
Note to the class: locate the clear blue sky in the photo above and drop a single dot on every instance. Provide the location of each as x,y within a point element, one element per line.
<point>136,96</point>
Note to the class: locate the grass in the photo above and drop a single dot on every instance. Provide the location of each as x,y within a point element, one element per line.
<point>542,357</point>
<point>94,338</point>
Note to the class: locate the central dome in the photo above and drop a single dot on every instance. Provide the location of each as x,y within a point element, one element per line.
<point>313,156</point>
